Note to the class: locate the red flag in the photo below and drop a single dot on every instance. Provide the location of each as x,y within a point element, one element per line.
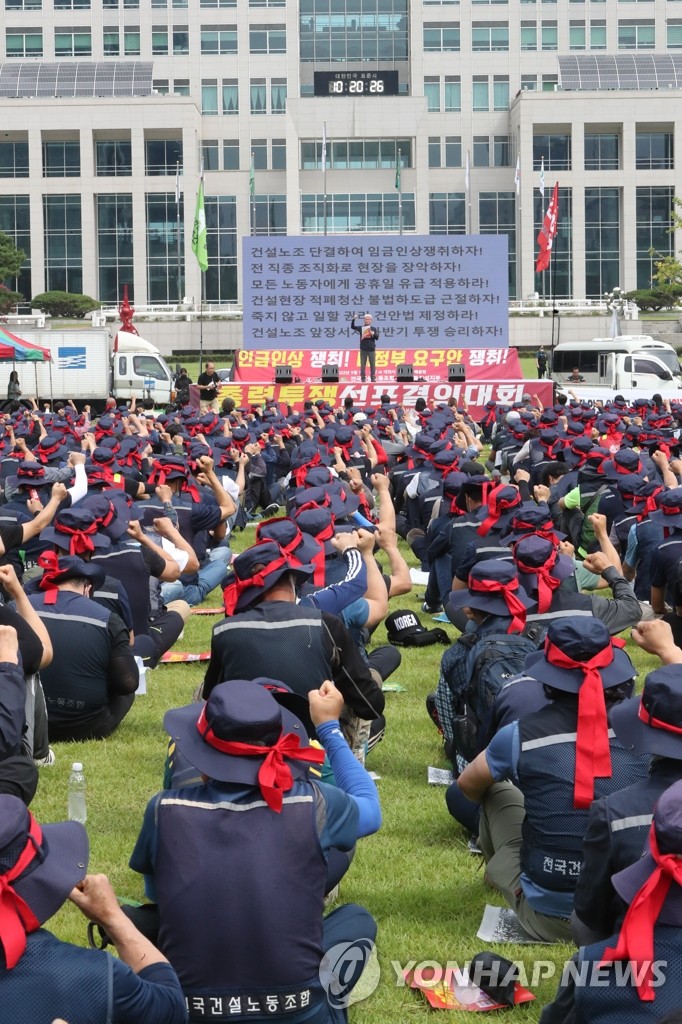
<point>548,231</point>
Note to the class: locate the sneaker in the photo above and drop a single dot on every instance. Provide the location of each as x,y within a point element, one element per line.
<point>47,761</point>
<point>432,711</point>
<point>432,609</point>
<point>271,510</point>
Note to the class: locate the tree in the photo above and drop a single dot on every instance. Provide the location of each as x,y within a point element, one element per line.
<point>668,267</point>
<point>11,258</point>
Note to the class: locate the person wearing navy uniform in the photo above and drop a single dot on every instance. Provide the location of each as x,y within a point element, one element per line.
<point>242,925</point>
<point>42,977</point>
<point>559,759</point>
<point>90,685</point>
<point>619,824</point>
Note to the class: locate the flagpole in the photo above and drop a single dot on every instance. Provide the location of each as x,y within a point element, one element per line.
<point>252,196</point>
<point>553,269</point>
<point>519,220</point>
<point>177,217</point>
<point>399,182</point>
<point>324,172</point>
<point>467,189</point>
<point>541,190</point>
<point>200,250</point>
<point>201,323</point>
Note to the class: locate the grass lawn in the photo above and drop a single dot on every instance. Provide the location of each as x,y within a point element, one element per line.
<point>415,875</point>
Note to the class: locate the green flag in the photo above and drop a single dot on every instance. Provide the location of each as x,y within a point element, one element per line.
<point>397,172</point>
<point>252,178</point>
<point>199,232</point>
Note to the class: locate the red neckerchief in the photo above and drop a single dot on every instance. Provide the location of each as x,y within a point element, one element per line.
<point>547,583</point>
<point>489,418</point>
<point>290,550</point>
<point>79,540</point>
<point>299,473</point>
<point>636,938</point>
<point>50,563</point>
<point>592,751</point>
<point>234,590</point>
<point>643,506</point>
<point>159,475</point>
<point>43,453</point>
<point>131,458</point>
<point>274,775</point>
<point>17,920</point>
<point>496,509</point>
<point>508,592</point>
<point>325,503</point>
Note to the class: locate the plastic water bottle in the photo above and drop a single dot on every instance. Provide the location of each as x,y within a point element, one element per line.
<point>77,809</point>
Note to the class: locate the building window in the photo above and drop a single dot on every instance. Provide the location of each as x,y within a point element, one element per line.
<point>159,41</point>
<point>602,240</point>
<point>20,43</point>
<point>15,221</point>
<point>131,42</point>
<point>231,154</point>
<point>110,43</point>
<point>267,3</point>
<point>230,96</point>
<point>162,156</point>
<point>654,151</point>
<point>357,154</point>
<point>161,86</point>
<point>210,155</point>
<point>550,83</point>
<point>489,36</point>
<point>278,95</point>
<point>501,151</point>
<point>337,31</point>
<point>63,241</point>
<point>562,250</point>
<point>674,35</point>
<point>72,5</point>
<point>529,35</point>
<point>529,83</point>
<point>481,93</point>
<point>447,213</point>
<point>221,248</point>
<point>209,98</point>
<point>72,43</point>
<point>577,37</point>
<point>269,214</point>
<point>61,159</point>
<point>218,3</point>
<point>481,152</point>
<point>497,216</point>
<point>13,159</point>
<point>180,40</point>
<point>434,151</point>
<point>441,38</point>
<point>113,158</point>
<point>23,5</point>
<point>279,154</point>
<point>453,151</point>
<point>357,212</point>
<point>602,151</point>
<point>164,246</point>
<point>655,235</point>
<point>636,35</point>
<point>453,93</point>
<point>114,245</point>
<point>267,39</point>
<point>219,40</point>
<point>555,150</point>
<point>258,92</point>
<point>500,93</point>
<point>259,154</point>
<point>597,35</point>
<point>432,93</point>
<point>549,35</point>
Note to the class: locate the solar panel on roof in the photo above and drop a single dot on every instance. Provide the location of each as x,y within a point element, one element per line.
<point>76,78</point>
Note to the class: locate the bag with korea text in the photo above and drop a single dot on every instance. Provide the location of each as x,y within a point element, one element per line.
<point>404,629</point>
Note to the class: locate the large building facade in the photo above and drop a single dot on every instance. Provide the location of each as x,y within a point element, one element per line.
<point>302,113</point>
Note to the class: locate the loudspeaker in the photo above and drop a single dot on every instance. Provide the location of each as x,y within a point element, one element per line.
<point>284,375</point>
<point>330,374</point>
<point>456,374</point>
<point>405,374</point>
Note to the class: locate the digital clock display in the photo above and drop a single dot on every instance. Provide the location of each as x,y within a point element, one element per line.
<point>356,83</point>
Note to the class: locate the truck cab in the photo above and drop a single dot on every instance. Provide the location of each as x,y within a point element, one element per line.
<point>631,366</point>
<point>139,369</point>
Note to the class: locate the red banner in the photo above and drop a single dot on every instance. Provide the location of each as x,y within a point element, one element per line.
<point>430,365</point>
<point>475,394</point>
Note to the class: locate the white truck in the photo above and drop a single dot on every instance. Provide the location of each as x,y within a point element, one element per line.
<point>633,365</point>
<point>88,366</point>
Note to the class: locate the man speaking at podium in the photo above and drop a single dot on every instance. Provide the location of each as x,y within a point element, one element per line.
<point>368,343</point>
